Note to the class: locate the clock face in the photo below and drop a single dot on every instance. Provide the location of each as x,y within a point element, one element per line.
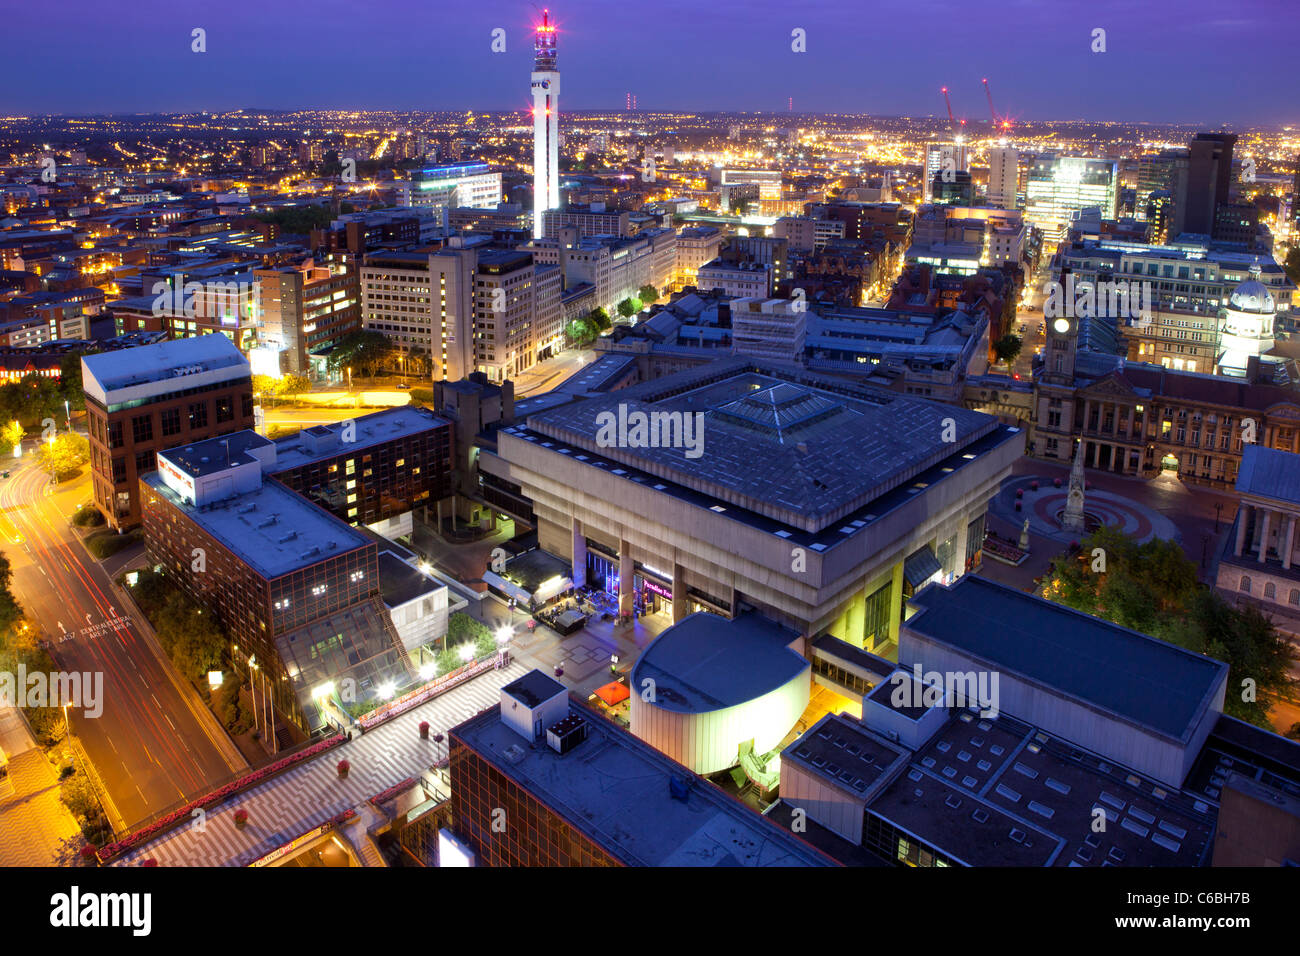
<point>1061,326</point>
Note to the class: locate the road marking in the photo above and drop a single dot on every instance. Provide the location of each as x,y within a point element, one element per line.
<point>169,721</point>
<point>155,702</point>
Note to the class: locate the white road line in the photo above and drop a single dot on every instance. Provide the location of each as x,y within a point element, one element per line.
<point>155,702</point>
<point>169,721</point>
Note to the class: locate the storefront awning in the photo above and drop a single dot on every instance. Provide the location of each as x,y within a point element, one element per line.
<point>920,566</point>
<point>506,587</point>
<point>613,693</point>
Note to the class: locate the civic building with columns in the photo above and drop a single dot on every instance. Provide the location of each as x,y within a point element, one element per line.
<point>823,504</point>
<point>1260,563</point>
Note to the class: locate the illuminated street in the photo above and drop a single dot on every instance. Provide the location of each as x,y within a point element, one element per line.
<point>150,747</point>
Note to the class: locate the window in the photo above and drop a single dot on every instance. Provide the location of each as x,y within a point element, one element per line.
<point>115,435</point>
<point>876,625</point>
<point>1245,584</point>
<point>1295,596</point>
<point>119,470</point>
<point>225,409</point>
<point>171,422</point>
<point>1270,590</point>
<point>198,415</point>
<point>144,462</point>
<point>246,404</point>
<point>142,428</point>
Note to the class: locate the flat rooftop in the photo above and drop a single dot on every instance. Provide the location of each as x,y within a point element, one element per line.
<point>705,662</point>
<point>1146,681</point>
<point>399,582</point>
<point>615,788</point>
<point>273,530</point>
<point>1000,792</point>
<point>534,688</point>
<point>1269,473</point>
<point>843,752</point>
<point>326,441</point>
<point>811,449</point>
<point>215,454</point>
<point>159,362</point>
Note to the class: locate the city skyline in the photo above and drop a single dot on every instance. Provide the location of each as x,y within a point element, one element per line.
<point>693,59</point>
<point>839,441</point>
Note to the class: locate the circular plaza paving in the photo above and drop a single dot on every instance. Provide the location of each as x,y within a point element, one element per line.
<point>1042,506</point>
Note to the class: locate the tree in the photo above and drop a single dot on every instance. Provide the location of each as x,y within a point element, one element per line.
<point>600,319</point>
<point>294,384</point>
<point>362,351</point>
<point>1152,588</point>
<point>70,383</point>
<point>63,456</point>
<point>580,331</point>
<point>1007,349</point>
<point>10,436</point>
<point>10,610</point>
<point>629,307</point>
<point>649,294</point>
<point>1292,265</point>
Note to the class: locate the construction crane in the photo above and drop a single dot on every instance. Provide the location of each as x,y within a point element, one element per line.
<point>952,124</point>
<point>1004,124</point>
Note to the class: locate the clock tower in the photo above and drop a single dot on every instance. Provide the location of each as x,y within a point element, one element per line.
<point>1062,331</point>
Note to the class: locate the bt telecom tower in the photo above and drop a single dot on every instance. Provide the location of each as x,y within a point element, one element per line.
<point>546,124</point>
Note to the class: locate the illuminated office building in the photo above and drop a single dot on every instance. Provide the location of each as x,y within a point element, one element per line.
<point>1060,185</point>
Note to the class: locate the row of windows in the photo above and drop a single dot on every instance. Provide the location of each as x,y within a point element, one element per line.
<point>1270,590</point>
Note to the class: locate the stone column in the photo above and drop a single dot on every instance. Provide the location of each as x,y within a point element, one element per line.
<point>1243,519</point>
<point>1263,534</point>
<point>1290,542</point>
<point>960,543</point>
<point>579,555</point>
<point>1087,414</point>
<point>624,578</point>
<point>681,604</point>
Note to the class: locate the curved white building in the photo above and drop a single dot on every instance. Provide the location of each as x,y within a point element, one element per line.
<point>708,685</point>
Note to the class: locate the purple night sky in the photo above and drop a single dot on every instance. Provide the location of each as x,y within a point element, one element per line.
<point>1193,61</point>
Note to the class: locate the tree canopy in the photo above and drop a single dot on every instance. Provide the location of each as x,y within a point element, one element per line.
<point>63,457</point>
<point>363,351</point>
<point>1007,348</point>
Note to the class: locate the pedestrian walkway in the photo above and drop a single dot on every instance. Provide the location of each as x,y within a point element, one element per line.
<point>1041,506</point>
<point>36,829</point>
<point>310,794</point>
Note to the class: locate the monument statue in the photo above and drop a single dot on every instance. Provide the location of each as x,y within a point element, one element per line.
<point>1024,536</point>
<point>1072,519</point>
